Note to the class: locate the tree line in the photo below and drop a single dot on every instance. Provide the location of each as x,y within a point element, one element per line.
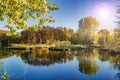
<point>85,35</point>
<point>46,35</point>
<point>19,12</point>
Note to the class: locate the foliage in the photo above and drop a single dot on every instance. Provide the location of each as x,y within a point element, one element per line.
<point>28,36</point>
<point>104,35</point>
<point>14,38</point>
<point>3,32</point>
<point>87,28</point>
<point>4,75</point>
<point>89,23</point>
<point>19,12</point>
<point>45,35</point>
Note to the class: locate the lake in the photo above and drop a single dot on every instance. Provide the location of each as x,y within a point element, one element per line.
<point>42,64</point>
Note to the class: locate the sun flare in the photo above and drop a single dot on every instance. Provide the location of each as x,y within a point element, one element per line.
<point>104,12</point>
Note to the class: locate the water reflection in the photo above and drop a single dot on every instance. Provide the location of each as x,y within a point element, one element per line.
<point>5,54</point>
<point>88,60</point>
<point>114,60</point>
<point>116,64</point>
<point>104,56</point>
<point>44,57</point>
<point>117,76</point>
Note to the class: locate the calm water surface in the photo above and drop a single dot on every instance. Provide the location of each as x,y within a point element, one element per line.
<point>52,65</point>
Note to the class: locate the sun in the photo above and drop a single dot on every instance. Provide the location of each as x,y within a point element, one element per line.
<point>104,12</point>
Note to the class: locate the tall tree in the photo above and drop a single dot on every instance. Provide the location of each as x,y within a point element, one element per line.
<point>87,27</point>
<point>19,12</point>
<point>89,23</point>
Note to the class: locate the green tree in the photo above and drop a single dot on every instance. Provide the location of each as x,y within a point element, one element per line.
<point>104,56</point>
<point>87,28</point>
<point>104,35</point>
<point>19,12</point>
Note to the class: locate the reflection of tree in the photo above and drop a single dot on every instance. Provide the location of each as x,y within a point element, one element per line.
<point>5,54</point>
<point>104,56</point>
<point>115,61</point>
<point>45,58</point>
<point>117,76</point>
<point>87,59</point>
<point>87,63</point>
<point>88,67</point>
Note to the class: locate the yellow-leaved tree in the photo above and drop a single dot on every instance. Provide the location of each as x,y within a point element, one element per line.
<point>19,12</point>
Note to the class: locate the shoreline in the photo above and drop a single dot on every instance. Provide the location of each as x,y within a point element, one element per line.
<point>60,47</point>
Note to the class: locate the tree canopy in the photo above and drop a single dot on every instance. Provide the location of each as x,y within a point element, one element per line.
<point>46,35</point>
<point>19,12</point>
<point>104,35</point>
<point>87,27</point>
<point>89,22</point>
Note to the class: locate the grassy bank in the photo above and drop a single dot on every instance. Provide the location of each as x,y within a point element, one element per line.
<point>60,47</point>
<point>41,46</point>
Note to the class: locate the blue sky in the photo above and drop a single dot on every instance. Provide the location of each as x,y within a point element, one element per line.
<point>71,11</point>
